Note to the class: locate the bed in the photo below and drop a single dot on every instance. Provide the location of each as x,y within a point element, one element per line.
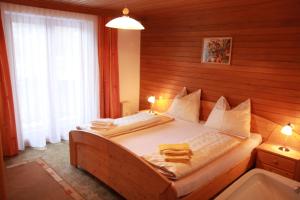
<point>117,161</point>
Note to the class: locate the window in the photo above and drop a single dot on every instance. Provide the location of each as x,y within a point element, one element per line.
<point>54,71</point>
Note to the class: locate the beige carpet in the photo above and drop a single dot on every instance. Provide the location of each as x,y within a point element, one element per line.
<point>57,157</point>
<point>36,180</point>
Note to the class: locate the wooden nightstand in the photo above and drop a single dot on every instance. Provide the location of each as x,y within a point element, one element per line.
<point>270,158</point>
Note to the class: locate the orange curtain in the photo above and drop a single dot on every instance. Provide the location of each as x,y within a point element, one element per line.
<point>109,70</point>
<point>7,117</point>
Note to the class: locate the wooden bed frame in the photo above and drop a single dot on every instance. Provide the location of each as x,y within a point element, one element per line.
<point>134,178</point>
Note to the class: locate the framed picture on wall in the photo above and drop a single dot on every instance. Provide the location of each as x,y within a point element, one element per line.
<point>217,50</point>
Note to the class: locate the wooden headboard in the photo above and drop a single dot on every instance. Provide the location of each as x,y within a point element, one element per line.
<point>259,124</point>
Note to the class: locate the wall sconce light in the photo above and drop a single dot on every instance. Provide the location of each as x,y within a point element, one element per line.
<point>287,130</point>
<point>151,100</point>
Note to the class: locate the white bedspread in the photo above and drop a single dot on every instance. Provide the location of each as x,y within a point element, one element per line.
<point>145,142</point>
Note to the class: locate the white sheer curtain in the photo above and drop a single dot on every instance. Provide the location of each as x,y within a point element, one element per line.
<point>54,71</point>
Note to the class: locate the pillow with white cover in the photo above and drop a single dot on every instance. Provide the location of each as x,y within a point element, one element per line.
<point>236,121</point>
<point>186,107</point>
<point>182,93</point>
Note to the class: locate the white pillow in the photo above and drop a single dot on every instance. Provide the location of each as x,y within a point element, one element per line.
<point>182,93</point>
<point>217,113</point>
<point>187,107</point>
<point>236,121</point>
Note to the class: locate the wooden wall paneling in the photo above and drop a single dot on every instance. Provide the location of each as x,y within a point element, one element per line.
<point>265,63</point>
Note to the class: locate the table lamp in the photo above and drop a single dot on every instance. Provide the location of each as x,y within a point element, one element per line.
<point>287,130</point>
<point>151,100</point>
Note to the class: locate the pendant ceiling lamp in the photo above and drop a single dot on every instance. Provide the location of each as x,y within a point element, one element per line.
<point>125,22</point>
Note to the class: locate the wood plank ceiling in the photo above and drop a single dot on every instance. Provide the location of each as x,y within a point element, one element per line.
<point>140,8</point>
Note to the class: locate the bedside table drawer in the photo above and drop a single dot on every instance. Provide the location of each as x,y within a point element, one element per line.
<point>277,171</point>
<point>276,161</point>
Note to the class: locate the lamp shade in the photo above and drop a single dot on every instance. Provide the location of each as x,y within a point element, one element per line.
<point>151,99</point>
<point>125,22</point>
<point>287,129</point>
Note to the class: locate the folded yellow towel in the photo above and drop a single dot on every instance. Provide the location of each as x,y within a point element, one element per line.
<point>183,146</point>
<point>176,152</point>
<point>181,159</point>
<point>169,152</point>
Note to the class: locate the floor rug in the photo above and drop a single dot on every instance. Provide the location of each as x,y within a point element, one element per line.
<point>36,180</point>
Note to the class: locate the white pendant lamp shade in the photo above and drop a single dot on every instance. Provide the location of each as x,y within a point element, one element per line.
<point>125,22</point>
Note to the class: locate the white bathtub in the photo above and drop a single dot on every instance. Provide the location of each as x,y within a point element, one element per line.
<point>260,184</point>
